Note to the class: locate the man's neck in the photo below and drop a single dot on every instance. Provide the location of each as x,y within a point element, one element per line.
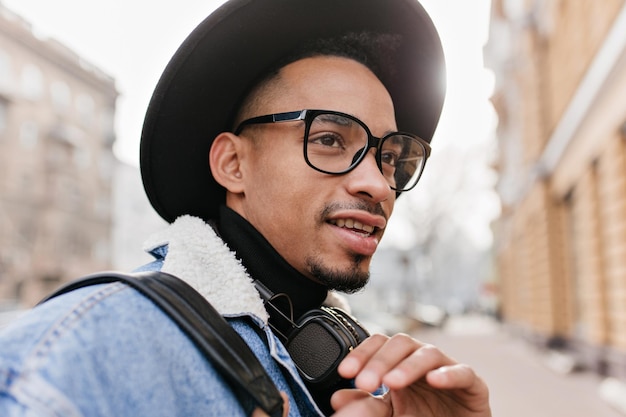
<point>266,265</point>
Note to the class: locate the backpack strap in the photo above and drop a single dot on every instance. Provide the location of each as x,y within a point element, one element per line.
<point>205,327</point>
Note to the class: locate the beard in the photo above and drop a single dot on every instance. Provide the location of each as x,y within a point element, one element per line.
<point>348,281</point>
<point>353,278</point>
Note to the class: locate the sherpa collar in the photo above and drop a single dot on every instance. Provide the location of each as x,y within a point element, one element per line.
<point>201,258</point>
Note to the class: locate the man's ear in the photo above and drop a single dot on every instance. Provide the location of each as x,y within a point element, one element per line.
<point>225,160</point>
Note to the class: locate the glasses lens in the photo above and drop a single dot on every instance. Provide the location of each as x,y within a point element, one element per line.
<point>402,159</point>
<point>335,142</point>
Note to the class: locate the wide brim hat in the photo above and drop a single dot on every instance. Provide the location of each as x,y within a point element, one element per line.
<point>204,82</point>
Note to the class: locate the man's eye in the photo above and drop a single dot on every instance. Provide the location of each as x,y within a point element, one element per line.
<point>389,158</point>
<point>328,139</point>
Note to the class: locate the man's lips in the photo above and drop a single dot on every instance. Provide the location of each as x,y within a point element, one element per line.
<point>357,236</point>
<point>355,225</point>
<point>363,223</point>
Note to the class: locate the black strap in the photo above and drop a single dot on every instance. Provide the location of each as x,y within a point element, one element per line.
<point>208,330</point>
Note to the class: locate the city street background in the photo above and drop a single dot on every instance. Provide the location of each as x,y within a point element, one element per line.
<point>520,380</point>
<point>520,213</point>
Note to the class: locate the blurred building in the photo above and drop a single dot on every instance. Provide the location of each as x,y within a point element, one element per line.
<point>56,163</point>
<point>561,240</point>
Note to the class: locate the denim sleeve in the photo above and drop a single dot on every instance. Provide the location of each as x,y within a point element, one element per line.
<point>27,394</point>
<point>105,351</point>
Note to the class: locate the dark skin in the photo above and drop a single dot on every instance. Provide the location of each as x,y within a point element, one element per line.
<point>422,380</point>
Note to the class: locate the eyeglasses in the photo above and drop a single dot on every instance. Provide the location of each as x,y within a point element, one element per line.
<point>336,143</point>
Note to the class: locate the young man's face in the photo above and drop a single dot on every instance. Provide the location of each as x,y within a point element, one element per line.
<point>325,226</point>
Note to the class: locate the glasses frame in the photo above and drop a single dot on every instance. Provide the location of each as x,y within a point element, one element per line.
<point>308,115</point>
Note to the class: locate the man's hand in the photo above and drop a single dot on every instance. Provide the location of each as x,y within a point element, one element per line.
<point>422,382</point>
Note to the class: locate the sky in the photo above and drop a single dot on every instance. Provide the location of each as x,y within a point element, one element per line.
<point>132,41</point>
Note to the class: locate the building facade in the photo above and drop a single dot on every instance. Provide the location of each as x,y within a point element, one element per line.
<point>560,96</point>
<point>56,163</point>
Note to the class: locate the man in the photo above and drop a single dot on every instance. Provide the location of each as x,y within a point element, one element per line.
<point>298,107</point>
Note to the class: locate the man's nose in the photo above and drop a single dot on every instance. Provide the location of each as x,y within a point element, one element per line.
<point>368,179</point>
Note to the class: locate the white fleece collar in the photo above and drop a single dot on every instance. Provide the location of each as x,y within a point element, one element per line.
<point>199,257</point>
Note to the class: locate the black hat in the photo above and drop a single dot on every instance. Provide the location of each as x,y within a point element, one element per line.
<point>217,64</point>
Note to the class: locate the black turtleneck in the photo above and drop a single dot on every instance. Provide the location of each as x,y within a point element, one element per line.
<point>264,264</point>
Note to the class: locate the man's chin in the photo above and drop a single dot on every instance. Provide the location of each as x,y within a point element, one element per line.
<point>348,279</point>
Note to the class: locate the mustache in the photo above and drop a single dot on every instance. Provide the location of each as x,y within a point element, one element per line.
<point>375,209</point>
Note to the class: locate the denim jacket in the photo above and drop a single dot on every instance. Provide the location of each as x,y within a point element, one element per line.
<point>105,350</point>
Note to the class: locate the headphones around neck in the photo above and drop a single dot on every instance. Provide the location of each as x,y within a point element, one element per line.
<point>317,342</point>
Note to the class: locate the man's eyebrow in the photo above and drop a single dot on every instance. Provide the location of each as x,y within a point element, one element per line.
<point>336,118</point>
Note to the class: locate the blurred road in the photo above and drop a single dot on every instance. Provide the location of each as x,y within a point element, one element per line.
<point>520,382</point>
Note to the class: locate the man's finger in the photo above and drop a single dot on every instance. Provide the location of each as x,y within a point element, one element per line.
<point>345,396</point>
<point>350,403</point>
<point>415,366</point>
<point>356,360</point>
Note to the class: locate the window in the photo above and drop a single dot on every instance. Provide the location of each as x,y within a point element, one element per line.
<point>29,134</point>
<point>32,82</point>
<point>86,108</point>
<point>61,96</point>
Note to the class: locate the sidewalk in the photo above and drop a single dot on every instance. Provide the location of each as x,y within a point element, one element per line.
<point>520,382</point>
